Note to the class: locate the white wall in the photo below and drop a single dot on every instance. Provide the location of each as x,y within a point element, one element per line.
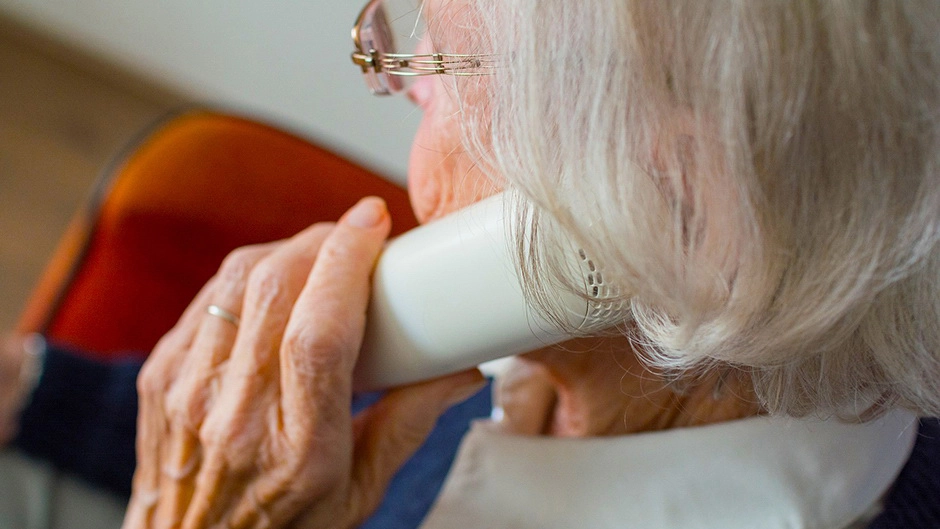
<point>284,60</point>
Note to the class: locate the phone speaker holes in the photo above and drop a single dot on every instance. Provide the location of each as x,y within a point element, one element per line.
<point>605,305</point>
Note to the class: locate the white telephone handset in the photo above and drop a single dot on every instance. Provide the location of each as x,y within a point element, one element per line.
<point>446,297</point>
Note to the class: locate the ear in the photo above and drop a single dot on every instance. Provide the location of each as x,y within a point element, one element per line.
<point>708,200</point>
<point>675,152</point>
<point>689,150</point>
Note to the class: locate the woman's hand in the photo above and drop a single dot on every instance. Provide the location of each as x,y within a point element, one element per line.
<point>249,425</point>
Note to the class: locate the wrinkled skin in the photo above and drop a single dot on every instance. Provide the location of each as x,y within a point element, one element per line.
<point>251,426</point>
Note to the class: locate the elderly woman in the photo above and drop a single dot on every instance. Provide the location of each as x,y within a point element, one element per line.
<point>758,179</point>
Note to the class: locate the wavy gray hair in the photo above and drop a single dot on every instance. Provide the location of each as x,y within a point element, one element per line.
<point>761,177</point>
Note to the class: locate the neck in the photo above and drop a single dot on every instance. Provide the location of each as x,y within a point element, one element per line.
<point>596,387</point>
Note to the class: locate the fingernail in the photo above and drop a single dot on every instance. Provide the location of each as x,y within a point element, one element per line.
<point>367,213</point>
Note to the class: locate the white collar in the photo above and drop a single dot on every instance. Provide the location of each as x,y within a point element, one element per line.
<point>758,473</point>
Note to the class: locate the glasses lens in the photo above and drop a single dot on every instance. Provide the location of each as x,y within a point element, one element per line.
<point>392,27</point>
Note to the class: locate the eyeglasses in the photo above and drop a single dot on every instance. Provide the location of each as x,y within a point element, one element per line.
<point>388,37</point>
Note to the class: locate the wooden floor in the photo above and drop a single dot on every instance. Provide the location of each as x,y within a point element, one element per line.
<point>63,115</point>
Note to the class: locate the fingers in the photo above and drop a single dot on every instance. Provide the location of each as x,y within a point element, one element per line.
<point>190,395</point>
<point>391,431</point>
<point>155,377</point>
<point>326,326</point>
<point>151,429</point>
<point>167,354</point>
<point>525,396</point>
<point>278,432</point>
<point>214,337</point>
<point>236,426</point>
<point>153,383</point>
<point>318,352</point>
<point>273,287</point>
<point>175,386</point>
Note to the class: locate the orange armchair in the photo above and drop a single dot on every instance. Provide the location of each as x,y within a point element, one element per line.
<point>195,187</point>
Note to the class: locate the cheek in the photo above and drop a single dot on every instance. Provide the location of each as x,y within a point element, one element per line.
<point>428,168</point>
<point>441,178</point>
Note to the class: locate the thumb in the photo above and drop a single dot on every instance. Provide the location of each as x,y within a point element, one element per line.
<point>390,431</point>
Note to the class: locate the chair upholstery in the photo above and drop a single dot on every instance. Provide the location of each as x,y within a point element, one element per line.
<point>162,219</point>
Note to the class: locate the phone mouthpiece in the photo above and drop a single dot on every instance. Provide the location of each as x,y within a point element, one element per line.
<point>446,297</point>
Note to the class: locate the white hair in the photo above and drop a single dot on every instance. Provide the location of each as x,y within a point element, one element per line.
<point>760,178</point>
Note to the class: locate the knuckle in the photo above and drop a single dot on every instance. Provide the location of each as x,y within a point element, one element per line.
<point>294,468</point>
<point>154,375</point>
<point>169,343</point>
<point>227,442</point>
<point>150,380</point>
<point>322,344</point>
<point>211,432</point>
<point>232,432</point>
<point>175,406</point>
<point>266,284</point>
<point>238,264</point>
<point>182,403</point>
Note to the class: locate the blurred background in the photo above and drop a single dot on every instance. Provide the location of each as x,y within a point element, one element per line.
<point>80,78</point>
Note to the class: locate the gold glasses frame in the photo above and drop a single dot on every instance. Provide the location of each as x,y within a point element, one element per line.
<point>385,71</point>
